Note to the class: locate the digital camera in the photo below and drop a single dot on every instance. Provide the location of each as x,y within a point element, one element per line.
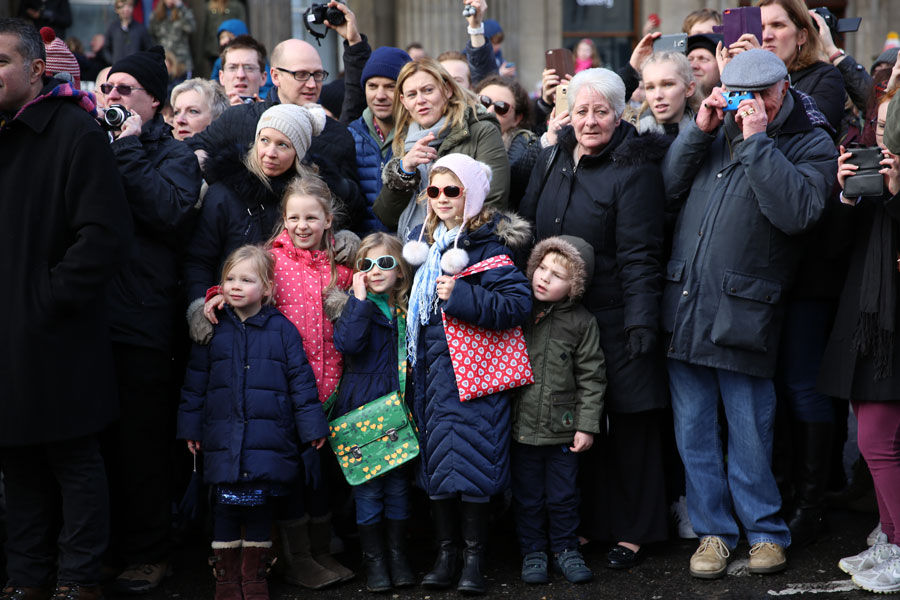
<point>319,13</point>
<point>734,98</point>
<point>114,117</point>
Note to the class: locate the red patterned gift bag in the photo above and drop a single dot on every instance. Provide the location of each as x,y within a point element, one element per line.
<point>486,361</point>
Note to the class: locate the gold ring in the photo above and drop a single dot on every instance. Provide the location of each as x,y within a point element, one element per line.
<point>742,114</point>
<point>751,110</point>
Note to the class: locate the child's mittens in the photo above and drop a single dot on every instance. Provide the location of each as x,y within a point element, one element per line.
<point>346,244</point>
<point>312,467</point>
<point>200,329</point>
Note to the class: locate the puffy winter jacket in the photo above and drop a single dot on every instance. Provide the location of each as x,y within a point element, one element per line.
<point>250,398</point>
<point>371,156</point>
<point>465,445</point>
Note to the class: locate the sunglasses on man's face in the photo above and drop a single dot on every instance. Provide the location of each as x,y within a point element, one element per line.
<point>450,191</point>
<point>500,107</point>
<point>385,263</point>
<point>124,90</point>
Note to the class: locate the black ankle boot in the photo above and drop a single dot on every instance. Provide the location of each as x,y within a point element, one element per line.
<point>401,573</point>
<point>371,539</point>
<point>812,443</point>
<point>444,515</point>
<point>474,530</point>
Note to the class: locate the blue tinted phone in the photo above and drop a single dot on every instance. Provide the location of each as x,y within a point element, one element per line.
<point>735,98</point>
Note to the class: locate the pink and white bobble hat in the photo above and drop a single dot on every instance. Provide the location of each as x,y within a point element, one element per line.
<point>475,177</point>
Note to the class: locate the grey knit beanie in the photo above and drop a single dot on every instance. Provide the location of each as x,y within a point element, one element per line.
<point>298,123</point>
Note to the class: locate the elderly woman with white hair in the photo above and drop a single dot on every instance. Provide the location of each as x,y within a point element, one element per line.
<point>601,182</point>
<point>195,104</point>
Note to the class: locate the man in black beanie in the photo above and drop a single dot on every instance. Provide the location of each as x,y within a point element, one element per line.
<point>162,184</point>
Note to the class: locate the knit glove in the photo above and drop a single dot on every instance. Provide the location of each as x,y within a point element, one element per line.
<point>641,341</point>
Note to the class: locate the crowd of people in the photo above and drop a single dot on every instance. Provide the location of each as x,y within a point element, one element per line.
<point>650,309</point>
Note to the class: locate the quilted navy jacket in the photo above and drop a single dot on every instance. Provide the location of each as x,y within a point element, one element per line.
<point>369,163</point>
<point>465,445</point>
<point>368,342</point>
<point>250,398</point>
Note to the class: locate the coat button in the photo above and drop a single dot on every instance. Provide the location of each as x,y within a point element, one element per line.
<point>699,234</point>
<point>733,290</point>
<point>684,293</point>
<point>768,298</point>
<point>719,176</point>
<point>558,220</point>
<point>466,243</point>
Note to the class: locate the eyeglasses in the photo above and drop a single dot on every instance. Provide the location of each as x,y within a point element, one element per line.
<point>303,76</point>
<point>248,69</point>
<point>124,90</point>
<point>385,263</point>
<point>450,191</point>
<point>500,107</point>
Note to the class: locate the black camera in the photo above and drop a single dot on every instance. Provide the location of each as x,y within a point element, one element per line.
<point>866,181</point>
<point>838,25</point>
<point>114,117</point>
<point>319,13</point>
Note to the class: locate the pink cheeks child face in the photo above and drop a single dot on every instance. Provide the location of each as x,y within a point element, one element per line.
<point>551,281</point>
<point>306,222</point>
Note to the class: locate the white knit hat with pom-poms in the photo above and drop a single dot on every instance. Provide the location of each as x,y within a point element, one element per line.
<point>475,177</point>
<point>298,123</point>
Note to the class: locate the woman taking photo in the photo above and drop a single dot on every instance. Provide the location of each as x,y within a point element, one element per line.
<point>433,117</point>
<point>601,183</point>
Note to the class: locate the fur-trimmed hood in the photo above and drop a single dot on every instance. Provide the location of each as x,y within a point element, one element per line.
<point>578,252</point>
<point>514,231</point>
<point>334,303</point>
<point>626,148</point>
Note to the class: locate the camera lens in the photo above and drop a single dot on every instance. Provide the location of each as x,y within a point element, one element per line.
<point>335,16</point>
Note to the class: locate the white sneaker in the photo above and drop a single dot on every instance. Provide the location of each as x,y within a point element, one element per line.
<point>876,536</point>
<point>682,520</point>
<point>883,579</point>
<point>869,558</point>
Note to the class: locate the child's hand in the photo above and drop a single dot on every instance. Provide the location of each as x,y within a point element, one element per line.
<point>193,446</point>
<point>317,444</point>
<point>582,442</point>
<point>359,285</point>
<point>215,303</point>
<point>445,285</point>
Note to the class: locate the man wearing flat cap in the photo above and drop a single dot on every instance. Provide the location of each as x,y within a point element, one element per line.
<point>748,182</point>
<point>162,184</point>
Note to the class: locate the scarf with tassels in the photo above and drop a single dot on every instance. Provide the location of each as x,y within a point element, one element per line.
<point>423,297</point>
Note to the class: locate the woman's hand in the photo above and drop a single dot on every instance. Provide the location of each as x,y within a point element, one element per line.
<point>746,42</point>
<point>891,172</point>
<point>445,285</point>
<point>359,285</point>
<point>828,46</point>
<point>549,81</point>
<point>751,116</point>
<point>420,154</point>
<point>845,169</point>
<point>193,446</point>
<point>317,444</point>
<point>582,442</point>
<point>555,124</point>
<point>215,303</point>
<point>711,113</point>
<point>643,51</point>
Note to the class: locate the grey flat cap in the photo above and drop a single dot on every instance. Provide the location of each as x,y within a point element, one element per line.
<point>753,71</point>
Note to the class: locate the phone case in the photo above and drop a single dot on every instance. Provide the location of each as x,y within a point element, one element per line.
<point>738,21</point>
<point>867,181</point>
<point>562,60</point>
<point>676,42</point>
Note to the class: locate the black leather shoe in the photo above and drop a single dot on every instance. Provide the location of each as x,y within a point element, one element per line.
<point>620,557</point>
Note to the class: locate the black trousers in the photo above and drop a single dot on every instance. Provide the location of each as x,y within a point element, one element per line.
<point>40,480</point>
<point>138,450</point>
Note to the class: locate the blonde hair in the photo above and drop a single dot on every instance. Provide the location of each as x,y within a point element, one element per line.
<point>251,161</point>
<point>399,295</point>
<point>456,107</point>
<point>432,221</point>
<point>699,16</point>
<point>263,264</point>
<point>314,187</point>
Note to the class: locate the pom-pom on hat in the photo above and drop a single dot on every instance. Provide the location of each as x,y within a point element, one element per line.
<point>149,68</point>
<point>59,58</point>
<point>298,123</point>
<point>384,62</point>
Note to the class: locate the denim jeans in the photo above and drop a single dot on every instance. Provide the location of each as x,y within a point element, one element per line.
<point>388,494</point>
<point>748,489</point>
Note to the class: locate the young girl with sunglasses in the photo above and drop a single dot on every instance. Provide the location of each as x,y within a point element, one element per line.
<point>464,449</point>
<point>369,330</point>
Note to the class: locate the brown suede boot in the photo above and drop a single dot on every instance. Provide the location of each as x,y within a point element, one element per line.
<point>320,547</point>
<point>299,566</point>
<point>226,564</point>
<point>255,565</point>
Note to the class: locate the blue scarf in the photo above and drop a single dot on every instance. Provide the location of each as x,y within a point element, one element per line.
<point>423,297</point>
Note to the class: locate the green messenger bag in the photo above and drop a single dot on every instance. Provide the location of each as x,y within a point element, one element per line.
<point>380,435</point>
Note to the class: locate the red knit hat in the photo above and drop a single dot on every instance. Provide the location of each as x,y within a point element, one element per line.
<point>59,59</point>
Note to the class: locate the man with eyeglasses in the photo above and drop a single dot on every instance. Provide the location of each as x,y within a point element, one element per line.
<point>243,70</point>
<point>297,75</point>
<point>162,184</point>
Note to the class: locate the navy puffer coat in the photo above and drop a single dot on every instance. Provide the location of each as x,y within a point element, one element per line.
<point>369,163</point>
<point>465,445</point>
<point>250,398</point>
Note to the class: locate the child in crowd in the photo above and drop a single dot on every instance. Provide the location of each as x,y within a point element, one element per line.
<point>556,418</point>
<point>465,445</point>
<point>125,36</point>
<point>249,402</point>
<point>370,332</point>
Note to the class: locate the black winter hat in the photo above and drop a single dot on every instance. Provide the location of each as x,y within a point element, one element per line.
<point>149,68</point>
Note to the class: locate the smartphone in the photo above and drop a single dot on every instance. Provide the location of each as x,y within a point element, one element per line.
<point>562,98</point>
<point>676,42</point>
<point>738,21</point>
<point>562,60</point>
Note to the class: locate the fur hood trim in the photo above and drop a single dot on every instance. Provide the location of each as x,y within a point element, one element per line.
<point>334,304</point>
<point>513,230</point>
<point>578,252</point>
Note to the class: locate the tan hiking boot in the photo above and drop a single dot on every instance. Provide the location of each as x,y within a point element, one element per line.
<point>766,557</point>
<point>710,559</point>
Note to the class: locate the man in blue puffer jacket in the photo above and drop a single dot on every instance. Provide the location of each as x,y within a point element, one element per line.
<point>373,132</point>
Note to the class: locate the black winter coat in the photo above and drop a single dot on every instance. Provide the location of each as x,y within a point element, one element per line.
<point>613,201</point>
<point>333,151</point>
<point>162,184</point>
<point>64,230</point>
<point>824,83</point>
